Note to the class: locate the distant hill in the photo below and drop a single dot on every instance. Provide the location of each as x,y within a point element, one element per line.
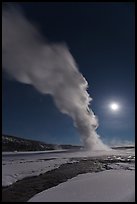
<point>124,147</point>
<point>12,143</point>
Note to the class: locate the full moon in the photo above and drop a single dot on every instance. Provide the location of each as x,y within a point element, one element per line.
<point>114,106</point>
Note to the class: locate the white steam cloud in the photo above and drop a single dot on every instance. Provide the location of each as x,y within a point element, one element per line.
<point>51,69</point>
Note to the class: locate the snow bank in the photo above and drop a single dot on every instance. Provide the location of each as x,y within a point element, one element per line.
<point>13,171</point>
<point>107,186</point>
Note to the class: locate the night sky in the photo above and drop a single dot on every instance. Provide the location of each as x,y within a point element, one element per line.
<point>101,38</point>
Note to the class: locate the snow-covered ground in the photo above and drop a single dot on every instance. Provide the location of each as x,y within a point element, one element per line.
<point>18,165</point>
<point>106,186</point>
<point>115,184</point>
<point>19,169</point>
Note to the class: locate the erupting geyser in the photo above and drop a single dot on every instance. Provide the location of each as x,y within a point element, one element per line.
<point>51,69</point>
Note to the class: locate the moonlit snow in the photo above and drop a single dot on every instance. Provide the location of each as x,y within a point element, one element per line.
<point>113,185</point>
<point>107,186</point>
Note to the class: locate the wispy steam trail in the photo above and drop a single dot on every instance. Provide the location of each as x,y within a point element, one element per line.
<point>51,69</point>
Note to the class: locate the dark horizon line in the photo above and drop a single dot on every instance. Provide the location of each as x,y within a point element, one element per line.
<point>35,140</point>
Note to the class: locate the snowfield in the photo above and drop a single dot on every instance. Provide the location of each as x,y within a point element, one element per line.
<point>115,183</point>
<point>106,186</point>
<point>13,171</point>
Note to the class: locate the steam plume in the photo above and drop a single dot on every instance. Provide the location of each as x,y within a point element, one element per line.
<point>51,69</point>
